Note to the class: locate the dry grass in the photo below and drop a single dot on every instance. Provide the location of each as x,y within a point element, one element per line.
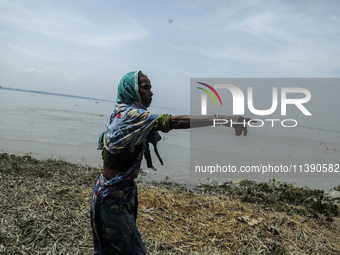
<point>44,206</point>
<point>174,221</point>
<point>45,210</point>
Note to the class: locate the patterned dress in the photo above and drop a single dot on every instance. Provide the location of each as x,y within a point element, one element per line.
<point>114,202</point>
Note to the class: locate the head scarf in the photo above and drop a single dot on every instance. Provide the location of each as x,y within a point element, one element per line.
<point>128,89</point>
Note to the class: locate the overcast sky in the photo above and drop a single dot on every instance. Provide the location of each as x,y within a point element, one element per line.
<point>84,47</point>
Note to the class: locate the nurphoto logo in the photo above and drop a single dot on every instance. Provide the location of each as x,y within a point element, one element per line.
<point>239,105</point>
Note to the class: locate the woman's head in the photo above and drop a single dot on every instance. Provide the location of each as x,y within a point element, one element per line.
<point>134,86</point>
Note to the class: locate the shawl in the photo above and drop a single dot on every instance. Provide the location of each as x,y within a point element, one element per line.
<point>129,126</point>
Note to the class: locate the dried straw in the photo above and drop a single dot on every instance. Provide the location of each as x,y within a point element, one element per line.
<point>176,221</point>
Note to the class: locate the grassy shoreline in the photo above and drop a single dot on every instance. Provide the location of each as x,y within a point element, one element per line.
<point>45,210</point>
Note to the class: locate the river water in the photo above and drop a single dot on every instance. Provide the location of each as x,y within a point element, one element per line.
<point>50,126</point>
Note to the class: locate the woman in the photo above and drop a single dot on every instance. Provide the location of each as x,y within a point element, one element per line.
<point>128,132</point>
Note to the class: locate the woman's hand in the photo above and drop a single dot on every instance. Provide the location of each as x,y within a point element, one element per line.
<point>239,123</point>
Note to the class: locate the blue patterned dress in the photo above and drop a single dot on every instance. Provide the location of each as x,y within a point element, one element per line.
<point>114,202</point>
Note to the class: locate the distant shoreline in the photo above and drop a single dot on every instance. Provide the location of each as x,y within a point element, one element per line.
<point>73,96</point>
<point>55,94</point>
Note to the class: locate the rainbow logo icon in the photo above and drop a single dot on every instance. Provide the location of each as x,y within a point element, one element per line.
<point>204,97</point>
<point>209,93</point>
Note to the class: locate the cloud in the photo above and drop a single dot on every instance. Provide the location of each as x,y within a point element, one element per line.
<point>59,73</point>
<point>38,52</point>
<point>270,40</point>
<point>335,18</point>
<point>74,28</point>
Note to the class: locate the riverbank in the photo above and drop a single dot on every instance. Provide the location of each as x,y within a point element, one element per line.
<point>45,210</point>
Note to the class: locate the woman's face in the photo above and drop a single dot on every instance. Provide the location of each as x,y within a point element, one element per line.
<point>144,89</point>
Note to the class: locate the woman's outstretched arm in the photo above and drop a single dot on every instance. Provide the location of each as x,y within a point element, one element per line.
<point>188,121</point>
